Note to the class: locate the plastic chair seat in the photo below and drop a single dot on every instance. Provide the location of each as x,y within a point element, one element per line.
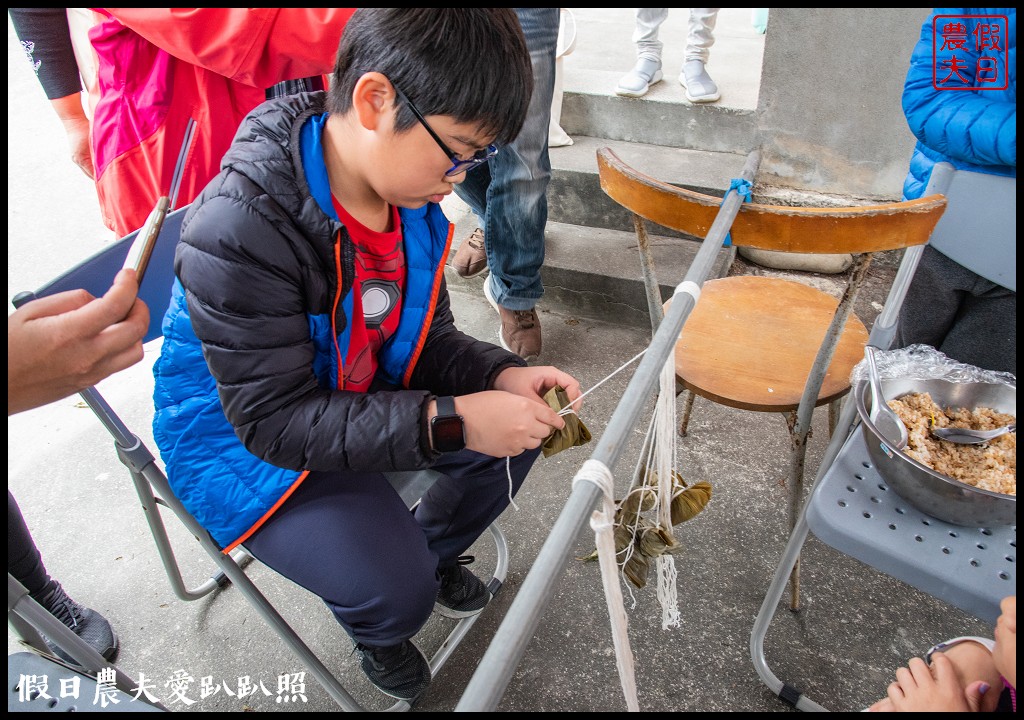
<point>750,343</point>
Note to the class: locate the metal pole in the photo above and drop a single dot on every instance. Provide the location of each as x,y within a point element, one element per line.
<point>498,664</point>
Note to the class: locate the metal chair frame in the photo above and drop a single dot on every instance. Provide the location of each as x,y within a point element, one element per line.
<point>850,508</point>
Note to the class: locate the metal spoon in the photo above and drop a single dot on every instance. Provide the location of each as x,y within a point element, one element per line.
<point>883,417</point>
<point>966,436</point>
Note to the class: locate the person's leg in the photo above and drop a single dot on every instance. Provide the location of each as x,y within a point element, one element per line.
<point>934,300</point>
<point>645,33</point>
<point>647,69</point>
<point>349,538</point>
<point>517,208</point>
<point>470,258</point>
<point>473,490</point>
<point>985,331</point>
<point>23,559</point>
<point>470,494</point>
<point>516,201</point>
<point>701,36</point>
<point>25,563</point>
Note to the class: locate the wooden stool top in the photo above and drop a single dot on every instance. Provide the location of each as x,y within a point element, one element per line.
<point>750,343</point>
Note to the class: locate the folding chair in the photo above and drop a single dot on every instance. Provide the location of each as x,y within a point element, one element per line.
<point>96,275</point>
<point>850,507</point>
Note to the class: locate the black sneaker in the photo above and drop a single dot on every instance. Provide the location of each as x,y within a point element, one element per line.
<point>84,622</point>
<point>461,594</point>
<point>400,670</point>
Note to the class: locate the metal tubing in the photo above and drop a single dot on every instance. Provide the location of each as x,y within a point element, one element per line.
<point>21,605</point>
<point>505,651</point>
<point>789,560</point>
<point>808,400</point>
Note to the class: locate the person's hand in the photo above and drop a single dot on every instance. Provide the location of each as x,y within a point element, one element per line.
<point>503,424</point>
<point>64,343</point>
<point>534,382</point>
<point>1005,653</point>
<point>77,128</point>
<point>81,150</point>
<point>920,688</point>
<point>883,705</point>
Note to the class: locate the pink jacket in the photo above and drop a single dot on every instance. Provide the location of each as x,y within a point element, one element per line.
<point>173,84</point>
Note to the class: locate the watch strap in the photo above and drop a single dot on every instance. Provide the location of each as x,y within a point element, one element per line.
<point>446,406</point>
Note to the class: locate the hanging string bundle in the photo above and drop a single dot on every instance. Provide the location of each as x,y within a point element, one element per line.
<point>631,532</point>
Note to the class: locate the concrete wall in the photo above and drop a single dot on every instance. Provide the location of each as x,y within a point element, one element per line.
<point>829,114</point>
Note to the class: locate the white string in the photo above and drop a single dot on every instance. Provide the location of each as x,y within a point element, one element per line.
<point>508,472</point>
<point>664,461</point>
<point>603,523</point>
<point>565,411</point>
<point>568,408</point>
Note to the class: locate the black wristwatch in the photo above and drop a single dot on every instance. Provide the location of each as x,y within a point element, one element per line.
<point>447,431</point>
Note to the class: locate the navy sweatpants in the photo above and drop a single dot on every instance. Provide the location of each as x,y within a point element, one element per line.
<point>349,538</point>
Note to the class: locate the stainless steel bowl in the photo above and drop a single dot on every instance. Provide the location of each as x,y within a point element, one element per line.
<point>929,491</point>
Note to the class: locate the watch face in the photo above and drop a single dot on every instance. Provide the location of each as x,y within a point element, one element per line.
<point>448,433</point>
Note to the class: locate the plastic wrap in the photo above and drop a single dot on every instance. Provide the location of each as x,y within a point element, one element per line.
<point>926,363</point>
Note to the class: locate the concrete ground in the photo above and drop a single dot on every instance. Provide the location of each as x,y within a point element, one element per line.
<point>857,625</point>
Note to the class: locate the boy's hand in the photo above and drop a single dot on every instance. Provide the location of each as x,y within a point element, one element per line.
<point>502,424</point>
<point>534,382</point>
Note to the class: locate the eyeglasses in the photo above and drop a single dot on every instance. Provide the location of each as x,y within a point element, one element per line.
<point>458,165</point>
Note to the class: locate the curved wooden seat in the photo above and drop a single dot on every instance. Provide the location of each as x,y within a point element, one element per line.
<point>750,343</point>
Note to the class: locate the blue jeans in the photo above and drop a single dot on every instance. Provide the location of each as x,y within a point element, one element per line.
<point>509,194</point>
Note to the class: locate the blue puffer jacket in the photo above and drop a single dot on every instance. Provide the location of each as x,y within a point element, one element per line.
<point>972,129</point>
<point>247,384</point>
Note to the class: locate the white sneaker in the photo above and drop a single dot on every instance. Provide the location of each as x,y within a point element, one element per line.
<point>638,81</point>
<point>700,88</point>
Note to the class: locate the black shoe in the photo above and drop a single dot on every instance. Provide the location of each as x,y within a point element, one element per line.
<point>461,594</point>
<point>400,670</point>
<point>84,622</point>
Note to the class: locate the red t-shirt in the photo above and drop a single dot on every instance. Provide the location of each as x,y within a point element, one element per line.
<point>376,296</point>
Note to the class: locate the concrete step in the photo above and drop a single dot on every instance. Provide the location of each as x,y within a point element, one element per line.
<point>595,272</point>
<point>575,195</point>
<point>592,265</point>
<point>603,53</point>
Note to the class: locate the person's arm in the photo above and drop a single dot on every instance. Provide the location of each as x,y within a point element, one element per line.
<point>254,46</point>
<point>500,398</point>
<point>46,38</point>
<point>64,343</point>
<point>974,127</point>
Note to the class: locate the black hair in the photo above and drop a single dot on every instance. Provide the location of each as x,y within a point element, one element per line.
<point>467,63</point>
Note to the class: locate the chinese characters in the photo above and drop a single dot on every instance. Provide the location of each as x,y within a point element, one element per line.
<point>181,689</point>
<point>969,52</point>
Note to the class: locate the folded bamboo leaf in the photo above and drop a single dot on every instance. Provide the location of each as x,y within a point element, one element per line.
<point>573,434</point>
<point>688,502</point>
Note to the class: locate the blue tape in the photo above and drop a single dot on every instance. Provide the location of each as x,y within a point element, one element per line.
<point>743,188</point>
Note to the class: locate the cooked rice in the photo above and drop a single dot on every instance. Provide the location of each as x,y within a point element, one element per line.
<point>989,466</point>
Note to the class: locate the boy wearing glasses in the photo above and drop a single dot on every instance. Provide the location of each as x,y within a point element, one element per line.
<point>310,346</point>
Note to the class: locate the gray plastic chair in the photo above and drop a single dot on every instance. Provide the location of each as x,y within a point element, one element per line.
<point>849,507</point>
<point>96,275</point>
